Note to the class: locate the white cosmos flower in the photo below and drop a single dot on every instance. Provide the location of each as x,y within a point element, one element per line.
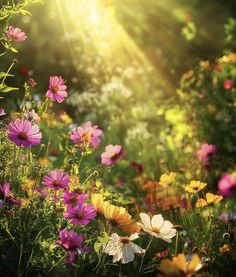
<point>122,248</point>
<point>157,226</point>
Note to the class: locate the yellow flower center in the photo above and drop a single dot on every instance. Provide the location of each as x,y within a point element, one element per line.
<point>124,240</point>
<point>156,230</point>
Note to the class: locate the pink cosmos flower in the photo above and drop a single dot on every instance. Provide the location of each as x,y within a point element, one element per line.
<point>227,185</point>
<point>6,196</point>
<point>31,82</point>
<point>80,214</point>
<point>57,89</point>
<point>206,152</point>
<point>56,180</point>
<point>15,34</point>
<point>112,154</point>
<point>228,84</point>
<point>71,242</point>
<point>23,133</point>
<point>74,198</point>
<point>87,135</point>
<point>2,112</point>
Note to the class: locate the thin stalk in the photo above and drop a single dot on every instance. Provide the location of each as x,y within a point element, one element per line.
<point>141,265</point>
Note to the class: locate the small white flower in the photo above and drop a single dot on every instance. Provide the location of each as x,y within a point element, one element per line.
<point>157,226</point>
<point>122,248</point>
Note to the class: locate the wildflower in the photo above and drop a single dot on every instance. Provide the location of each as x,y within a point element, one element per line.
<point>2,112</point>
<point>195,186</point>
<point>170,202</point>
<point>73,198</point>
<point>66,118</point>
<point>228,84</point>
<point>98,203</point>
<point>23,133</point>
<point>32,83</point>
<point>116,215</point>
<point>87,136</point>
<point>224,249</point>
<point>179,266</point>
<point>6,196</point>
<point>112,154</point>
<point>227,185</point>
<point>131,227</point>
<point>206,152</point>
<point>15,34</point>
<point>43,161</point>
<point>162,254</point>
<point>57,89</point>
<point>56,180</point>
<point>167,179</point>
<point>72,243</point>
<point>33,116</point>
<point>44,192</point>
<point>210,200</point>
<point>81,214</point>
<point>157,227</point>
<point>122,248</point>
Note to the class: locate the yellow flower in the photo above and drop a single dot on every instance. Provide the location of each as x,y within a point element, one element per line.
<point>179,267</point>
<point>43,161</point>
<point>167,179</point>
<point>66,118</point>
<point>210,200</point>
<point>28,186</point>
<point>224,249</point>
<point>205,64</point>
<point>98,202</point>
<point>116,215</point>
<point>195,186</point>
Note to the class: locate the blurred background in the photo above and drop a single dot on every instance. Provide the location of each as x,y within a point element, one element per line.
<point>123,61</point>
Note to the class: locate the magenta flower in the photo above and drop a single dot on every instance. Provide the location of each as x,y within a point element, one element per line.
<point>15,34</point>
<point>5,195</point>
<point>206,152</point>
<point>44,192</point>
<point>228,84</point>
<point>2,112</point>
<point>57,89</point>
<point>23,133</point>
<point>112,154</point>
<point>56,180</point>
<point>71,242</point>
<point>74,198</point>
<point>227,185</point>
<point>87,135</point>
<point>31,82</point>
<point>80,214</point>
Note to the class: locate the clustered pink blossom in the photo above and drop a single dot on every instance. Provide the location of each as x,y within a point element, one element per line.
<point>227,185</point>
<point>72,243</point>
<point>87,136</point>
<point>74,198</point>
<point>112,154</point>
<point>2,112</point>
<point>56,180</point>
<point>6,197</point>
<point>57,90</point>
<point>23,133</point>
<point>206,152</point>
<point>81,214</point>
<point>15,34</point>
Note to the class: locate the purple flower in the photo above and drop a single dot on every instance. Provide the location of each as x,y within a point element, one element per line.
<point>23,133</point>
<point>71,242</point>
<point>112,154</point>
<point>2,112</point>
<point>206,152</point>
<point>15,34</point>
<point>56,180</point>
<point>44,192</point>
<point>227,185</point>
<point>57,90</point>
<point>87,135</point>
<point>5,195</point>
<point>80,214</point>
<point>74,198</point>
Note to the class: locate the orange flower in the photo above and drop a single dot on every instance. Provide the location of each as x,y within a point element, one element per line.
<point>116,215</point>
<point>131,228</point>
<point>210,200</point>
<point>224,249</point>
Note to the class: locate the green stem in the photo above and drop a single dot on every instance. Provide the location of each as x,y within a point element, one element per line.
<point>141,265</point>
<point>9,69</point>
